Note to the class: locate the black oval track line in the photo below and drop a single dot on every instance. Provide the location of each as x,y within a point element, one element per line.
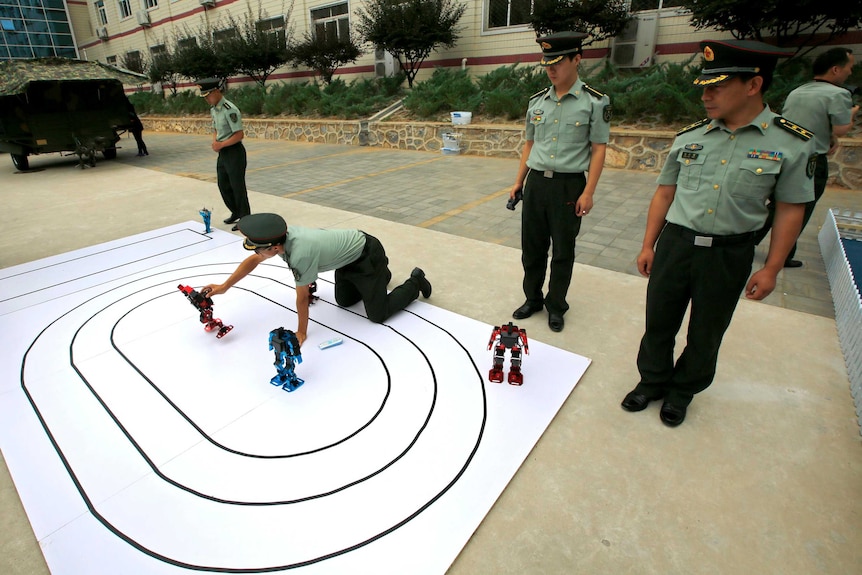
<point>207,437</point>
<point>217,569</point>
<point>103,270</point>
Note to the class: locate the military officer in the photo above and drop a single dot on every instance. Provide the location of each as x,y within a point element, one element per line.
<point>227,141</point>
<point>698,247</point>
<point>567,131</point>
<point>359,260</point>
<point>825,107</point>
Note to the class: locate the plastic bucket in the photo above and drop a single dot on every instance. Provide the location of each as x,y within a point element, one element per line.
<point>451,143</point>
<point>461,117</point>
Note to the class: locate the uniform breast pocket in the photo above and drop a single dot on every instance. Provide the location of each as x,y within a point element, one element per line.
<point>577,128</point>
<point>755,179</point>
<point>690,169</point>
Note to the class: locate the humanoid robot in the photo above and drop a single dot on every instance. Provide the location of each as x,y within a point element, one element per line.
<point>205,306</point>
<point>207,217</point>
<point>512,338</point>
<point>286,347</point>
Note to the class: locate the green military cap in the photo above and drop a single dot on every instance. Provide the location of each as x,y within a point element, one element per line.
<point>555,46</point>
<point>724,59</point>
<point>262,230</point>
<point>208,85</point>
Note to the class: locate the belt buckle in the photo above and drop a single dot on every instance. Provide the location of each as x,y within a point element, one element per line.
<point>548,173</point>
<point>703,241</point>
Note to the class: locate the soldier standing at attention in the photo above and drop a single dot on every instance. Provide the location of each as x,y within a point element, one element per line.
<point>698,247</point>
<point>227,141</point>
<point>567,131</point>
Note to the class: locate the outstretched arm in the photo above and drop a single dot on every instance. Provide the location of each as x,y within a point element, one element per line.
<point>243,269</point>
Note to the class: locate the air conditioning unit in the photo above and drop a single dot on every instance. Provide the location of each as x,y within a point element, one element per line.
<point>102,32</point>
<point>384,63</point>
<point>143,18</point>
<point>635,46</point>
<point>207,2</point>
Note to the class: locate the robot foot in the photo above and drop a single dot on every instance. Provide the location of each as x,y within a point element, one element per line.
<point>223,331</point>
<point>495,375</point>
<point>516,378</point>
<point>292,385</point>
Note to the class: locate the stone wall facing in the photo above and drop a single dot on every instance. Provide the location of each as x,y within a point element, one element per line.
<point>630,149</point>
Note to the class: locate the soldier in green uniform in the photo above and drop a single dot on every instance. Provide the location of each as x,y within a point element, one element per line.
<point>825,107</point>
<point>359,260</point>
<point>227,141</point>
<point>698,247</point>
<point>567,131</point>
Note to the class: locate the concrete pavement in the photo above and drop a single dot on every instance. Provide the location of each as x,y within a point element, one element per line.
<point>764,476</point>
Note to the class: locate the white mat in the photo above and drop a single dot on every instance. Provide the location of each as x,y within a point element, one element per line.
<point>140,443</point>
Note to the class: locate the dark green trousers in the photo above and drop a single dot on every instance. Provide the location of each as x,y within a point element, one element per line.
<point>711,279</point>
<point>230,171</point>
<point>549,222</point>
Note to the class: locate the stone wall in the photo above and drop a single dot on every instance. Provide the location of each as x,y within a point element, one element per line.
<point>630,149</point>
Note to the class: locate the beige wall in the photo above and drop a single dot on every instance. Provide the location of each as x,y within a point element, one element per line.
<point>483,49</point>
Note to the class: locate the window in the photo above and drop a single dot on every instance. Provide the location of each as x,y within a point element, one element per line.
<point>8,25</point>
<point>150,4</point>
<point>101,13</point>
<point>158,50</point>
<point>332,22</point>
<point>505,13</point>
<point>125,8</point>
<point>223,35</point>
<point>111,60</point>
<point>274,26</point>
<point>132,61</point>
<point>184,43</point>
<point>638,5</point>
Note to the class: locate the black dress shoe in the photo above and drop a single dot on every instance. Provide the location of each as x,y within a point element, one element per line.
<point>235,228</point>
<point>636,401</point>
<point>556,322</point>
<point>793,264</point>
<point>232,219</point>
<point>424,285</point>
<point>526,310</point>
<point>672,415</point>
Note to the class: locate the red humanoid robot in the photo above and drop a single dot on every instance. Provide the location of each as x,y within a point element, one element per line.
<point>205,306</point>
<point>508,337</point>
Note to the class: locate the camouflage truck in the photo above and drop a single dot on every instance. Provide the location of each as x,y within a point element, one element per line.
<point>62,105</point>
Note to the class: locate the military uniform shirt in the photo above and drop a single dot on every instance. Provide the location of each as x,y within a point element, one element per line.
<point>818,106</point>
<point>309,251</point>
<point>723,178</point>
<point>227,119</point>
<point>563,128</point>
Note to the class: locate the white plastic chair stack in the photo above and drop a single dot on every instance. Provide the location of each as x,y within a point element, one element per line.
<point>845,296</point>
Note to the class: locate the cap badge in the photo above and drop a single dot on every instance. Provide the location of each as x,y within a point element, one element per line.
<point>708,54</point>
<point>546,46</point>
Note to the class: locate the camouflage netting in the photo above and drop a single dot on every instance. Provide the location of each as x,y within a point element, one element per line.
<point>15,75</point>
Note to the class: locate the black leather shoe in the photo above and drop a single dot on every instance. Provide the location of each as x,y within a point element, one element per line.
<point>556,322</point>
<point>636,401</point>
<point>232,219</point>
<point>526,310</point>
<point>424,285</point>
<point>235,228</point>
<point>793,264</point>
<point>672,415</point>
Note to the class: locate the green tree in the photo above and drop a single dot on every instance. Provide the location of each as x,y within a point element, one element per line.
<point>161,69</point>
<point>203,58</point>
<point>325,54</point>
<point>258,49</point>
<point>600,19</point>
<point>804,24</point>
<point>410,29</point>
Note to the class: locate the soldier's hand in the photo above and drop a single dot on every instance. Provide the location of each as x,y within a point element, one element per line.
<point>213,289</point>
<point>645,259</point>
<point>301,337</point>
<point>760,285</point>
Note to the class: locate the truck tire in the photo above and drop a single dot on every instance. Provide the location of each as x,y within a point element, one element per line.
<point>21,162</point>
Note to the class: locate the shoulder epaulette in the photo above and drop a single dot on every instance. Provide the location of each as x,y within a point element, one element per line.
<point>593,92</point>
<point>540,93</point>
<point>794,128</point>
<point>691,127</point>
<point>226,105</point>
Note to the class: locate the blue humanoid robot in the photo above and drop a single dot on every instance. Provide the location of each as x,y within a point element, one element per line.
<point>207,217</point>
<point>286,347</point>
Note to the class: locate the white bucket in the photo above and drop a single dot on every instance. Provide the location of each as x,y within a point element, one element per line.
<point>451,143</point>
<point>461,117</point>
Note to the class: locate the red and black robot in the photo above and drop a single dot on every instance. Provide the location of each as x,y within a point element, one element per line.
<point>513,338</point>
<point>205,306</point>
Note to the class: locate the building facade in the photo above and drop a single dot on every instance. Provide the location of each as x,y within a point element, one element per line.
<point>129,33</point>
<point>36,29</point>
